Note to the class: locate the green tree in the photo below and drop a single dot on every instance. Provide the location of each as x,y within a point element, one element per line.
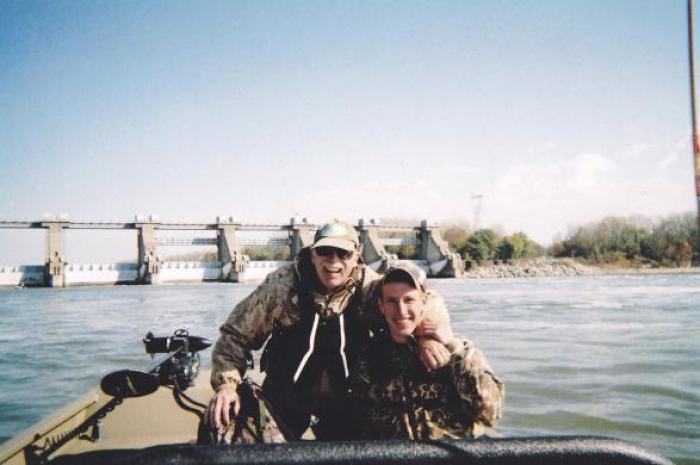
<point>481,245</point>
<point>512,247</point>
<point>579,243</point>
<point>518,245</point>
<point>673,241</point>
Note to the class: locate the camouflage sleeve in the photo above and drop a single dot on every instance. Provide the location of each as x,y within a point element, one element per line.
<point>479,388</point>
<point>248,326</point>
<point>435,309</point>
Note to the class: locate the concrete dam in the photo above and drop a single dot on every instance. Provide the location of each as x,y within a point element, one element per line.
<point>231,264</point>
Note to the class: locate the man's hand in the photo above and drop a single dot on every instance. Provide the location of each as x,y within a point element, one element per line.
<point>441,332</point>
<point>220,406</point>
<point>432,353</point>
<point>433,336</point>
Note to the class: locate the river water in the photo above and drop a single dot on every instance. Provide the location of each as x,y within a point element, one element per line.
<point>602,355</point>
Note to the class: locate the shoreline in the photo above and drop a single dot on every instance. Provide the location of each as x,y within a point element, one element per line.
<point>560,267</point>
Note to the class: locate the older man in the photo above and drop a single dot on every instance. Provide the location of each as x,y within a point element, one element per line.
<point>317,315</point>
<point>399,397</point>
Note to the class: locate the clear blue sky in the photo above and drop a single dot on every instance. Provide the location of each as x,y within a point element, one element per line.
<point>557,112</point>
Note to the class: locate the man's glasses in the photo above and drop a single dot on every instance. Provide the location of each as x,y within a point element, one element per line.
<point>330,251</point>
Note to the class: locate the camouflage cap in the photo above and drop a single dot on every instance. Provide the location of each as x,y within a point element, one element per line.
<point>336,234</point>
<point>407,272</point>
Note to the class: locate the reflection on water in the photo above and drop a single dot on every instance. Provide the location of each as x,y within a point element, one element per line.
<point>604,355</point>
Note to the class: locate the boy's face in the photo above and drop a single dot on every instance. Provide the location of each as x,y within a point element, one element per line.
<point>402,306</point>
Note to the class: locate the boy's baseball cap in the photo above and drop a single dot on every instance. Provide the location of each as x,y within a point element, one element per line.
<point>407,272</point>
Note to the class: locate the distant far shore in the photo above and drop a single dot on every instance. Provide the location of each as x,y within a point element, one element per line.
<point>615,270</point>
<point>558,267</point>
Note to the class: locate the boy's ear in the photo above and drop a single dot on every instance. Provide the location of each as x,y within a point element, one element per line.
<point>380,305</point>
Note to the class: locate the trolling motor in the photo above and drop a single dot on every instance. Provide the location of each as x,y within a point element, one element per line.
<point>176,369</point>
<point>180,366</point>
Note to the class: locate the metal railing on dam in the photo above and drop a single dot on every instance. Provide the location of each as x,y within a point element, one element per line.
<point>231,264</point>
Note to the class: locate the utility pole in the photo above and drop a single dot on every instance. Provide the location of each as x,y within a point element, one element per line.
<point>693,112</point>
<point>477,198</point>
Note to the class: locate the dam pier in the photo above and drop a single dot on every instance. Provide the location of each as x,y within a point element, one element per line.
<point>231,238</point>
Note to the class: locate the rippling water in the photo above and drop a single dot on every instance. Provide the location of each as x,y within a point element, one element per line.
<point>603,355</point>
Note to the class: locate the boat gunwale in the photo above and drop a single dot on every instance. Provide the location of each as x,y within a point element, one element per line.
<point>84,405</point>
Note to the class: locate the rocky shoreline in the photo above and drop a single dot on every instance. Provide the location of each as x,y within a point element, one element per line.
<point>553,267</point>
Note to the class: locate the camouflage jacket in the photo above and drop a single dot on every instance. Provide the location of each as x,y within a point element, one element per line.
<point>400,399</point>
<point>276,302</point>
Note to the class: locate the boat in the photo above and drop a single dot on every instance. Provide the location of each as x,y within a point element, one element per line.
<point>152,416</point>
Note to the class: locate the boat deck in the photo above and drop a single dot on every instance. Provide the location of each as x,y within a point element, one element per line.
<point>136,423</point>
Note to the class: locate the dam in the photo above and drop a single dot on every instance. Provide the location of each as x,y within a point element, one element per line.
<point>231,265</point>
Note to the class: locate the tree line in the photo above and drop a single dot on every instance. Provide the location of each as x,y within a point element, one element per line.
<point>671,241</point>
<point>628,241</point>
<point>482,244</point>
<point>488,244</point>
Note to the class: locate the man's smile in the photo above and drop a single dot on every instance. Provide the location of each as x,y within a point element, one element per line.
<point>332,270</point>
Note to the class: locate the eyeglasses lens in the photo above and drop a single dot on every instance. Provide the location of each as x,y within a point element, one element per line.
<point>329,251</point>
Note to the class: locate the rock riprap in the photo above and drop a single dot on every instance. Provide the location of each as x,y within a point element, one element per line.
<point>524,268</point>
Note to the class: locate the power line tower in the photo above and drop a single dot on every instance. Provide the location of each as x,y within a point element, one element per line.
<point>477,199</point>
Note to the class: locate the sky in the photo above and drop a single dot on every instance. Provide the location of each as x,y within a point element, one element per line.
<point>552,113</point>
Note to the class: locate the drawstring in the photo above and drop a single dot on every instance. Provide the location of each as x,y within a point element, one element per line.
<point>312,340</point>
<point>312,343</point>
<point>342,346</point>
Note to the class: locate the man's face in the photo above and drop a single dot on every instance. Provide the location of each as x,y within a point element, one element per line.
<point>402,306</point>
<point>333,266</point>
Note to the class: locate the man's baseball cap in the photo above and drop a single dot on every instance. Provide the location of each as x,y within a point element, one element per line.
<point>407,272</point>
<point>336,234</point>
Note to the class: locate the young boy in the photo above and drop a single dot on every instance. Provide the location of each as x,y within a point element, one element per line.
<point>399,397</point>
